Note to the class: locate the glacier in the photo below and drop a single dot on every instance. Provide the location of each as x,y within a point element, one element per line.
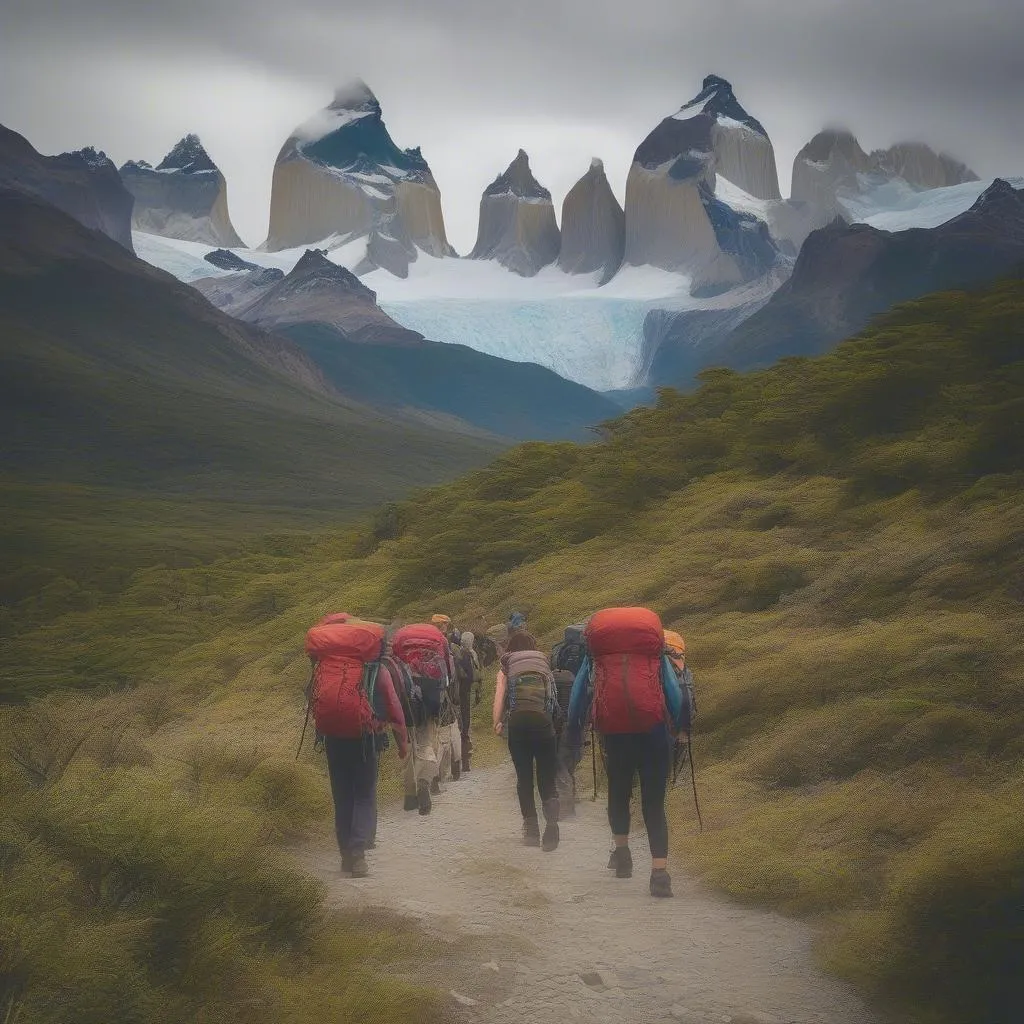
<point>566,322</point>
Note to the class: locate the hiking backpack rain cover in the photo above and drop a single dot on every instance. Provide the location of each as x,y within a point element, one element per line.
<point>626,646</point>
<point>346,657</point>
<point>422,647</point>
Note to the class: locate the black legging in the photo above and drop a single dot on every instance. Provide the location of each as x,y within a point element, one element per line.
<point>530,741</point>
<point>648,754</point>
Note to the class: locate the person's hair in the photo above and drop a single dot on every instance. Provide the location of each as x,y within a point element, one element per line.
<point>521,642</point>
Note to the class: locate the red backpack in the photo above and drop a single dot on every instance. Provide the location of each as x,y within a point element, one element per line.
<point>423,649</point>
<point>625,646</point>
<point>346,658</point>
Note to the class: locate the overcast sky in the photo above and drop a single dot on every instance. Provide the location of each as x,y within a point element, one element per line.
<point>471,81</point>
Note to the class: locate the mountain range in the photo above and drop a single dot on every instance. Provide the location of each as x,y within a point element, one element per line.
<point>591,290</point>
<point>704,263</point>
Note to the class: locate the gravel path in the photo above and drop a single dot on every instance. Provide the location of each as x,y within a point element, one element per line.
<point>551,937</point>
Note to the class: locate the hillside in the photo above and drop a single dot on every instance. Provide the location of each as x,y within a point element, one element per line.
<point>114,373</point>
<point>840,539</point>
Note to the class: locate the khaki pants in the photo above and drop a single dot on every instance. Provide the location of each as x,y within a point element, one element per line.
<point>421,763</point>
<point>450,744</point>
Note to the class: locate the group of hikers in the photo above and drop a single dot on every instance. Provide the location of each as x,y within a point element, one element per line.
<point>618,681</point>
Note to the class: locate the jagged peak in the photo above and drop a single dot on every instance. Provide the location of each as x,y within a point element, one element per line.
<point>518,180</point>
<point>94,157</point>
<point>830,139</point>
<point>717,99</point>
<point>314,268</point>
<point>188,156</point>
<point>1000,197</point>
<point>891,156</point>
<point>354,94</point>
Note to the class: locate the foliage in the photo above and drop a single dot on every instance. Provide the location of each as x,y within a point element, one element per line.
<point>841,540</point>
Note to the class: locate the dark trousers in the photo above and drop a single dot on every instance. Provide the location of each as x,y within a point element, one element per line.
<point>565,776</point>
<point>352,764</point>
<point>465,714</point>
<point>530,743</point>
<point>648,755</point>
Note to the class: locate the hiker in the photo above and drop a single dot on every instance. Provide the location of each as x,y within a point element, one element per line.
<point>638,708</point>
<point>525,710</point>
<point>468,674</point>
<point>566,658</point>
<point>449,726</point>
<point>423,650</point>
<point>516,624</point>
<point>353,699</point>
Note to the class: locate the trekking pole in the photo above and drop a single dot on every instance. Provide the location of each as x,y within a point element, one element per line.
<point>593,762</point>
<point>693,782</point>
<point>309,704</point>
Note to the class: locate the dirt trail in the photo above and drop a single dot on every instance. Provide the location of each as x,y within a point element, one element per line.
<point>556,937</point>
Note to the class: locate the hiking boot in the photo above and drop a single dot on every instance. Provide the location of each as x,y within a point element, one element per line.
<point>549,841</point>
<point>359,867</point>
<point>412,802</point>
<point>661,883</point>
<point>551,812</point>
<point>423,798</point>
<point>346,861</point>
<point>435,786</point>
<point>531,832</point>
<point>622,861</point>
<point>456,770</point>
<point>465,764</point>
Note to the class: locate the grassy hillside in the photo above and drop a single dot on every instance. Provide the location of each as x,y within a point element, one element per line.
<point>842,543</point>
<point>145,437</point>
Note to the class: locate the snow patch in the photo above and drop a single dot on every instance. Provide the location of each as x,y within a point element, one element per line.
<point>902,207</point>
<point>327,121</point>
<point>732,195</point>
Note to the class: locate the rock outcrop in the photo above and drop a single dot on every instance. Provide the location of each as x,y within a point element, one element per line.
<point>919,165</point>
<point>340,177</point>
<point>315,291</point>
<point>832,174</point>
<point>593,227</point>
<point>225,259</point>
<point>673,220</point>
<point>830,164</point>
<point>517,221</point>
<point>185,196</point>
<point>85,185</point>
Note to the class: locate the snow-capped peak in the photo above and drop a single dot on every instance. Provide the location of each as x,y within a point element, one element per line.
<point>352,102</point>
<point>188,156</point>
<point>597,164</point>
<point>717,100</point>
<point>355,95</point>
<point>518,180</point>
<point>94,158</point>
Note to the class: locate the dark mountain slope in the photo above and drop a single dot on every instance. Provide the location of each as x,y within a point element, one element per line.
<point>85,185</point>
<point>848,273</point>
<point>112,372</point>
<point>363,353</point>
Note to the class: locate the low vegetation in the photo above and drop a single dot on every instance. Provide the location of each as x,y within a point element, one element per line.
<point>842,542</point>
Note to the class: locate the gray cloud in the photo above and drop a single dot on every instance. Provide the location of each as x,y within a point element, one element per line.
<point>472,81</point>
